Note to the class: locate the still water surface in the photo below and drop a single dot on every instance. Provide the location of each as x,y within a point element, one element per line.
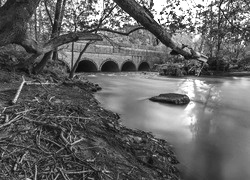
<point>211,135</point>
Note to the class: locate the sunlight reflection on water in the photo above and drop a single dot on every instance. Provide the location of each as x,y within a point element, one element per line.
<point>211,134</point>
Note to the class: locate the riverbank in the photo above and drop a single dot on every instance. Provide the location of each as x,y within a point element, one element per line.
<point>218,74</point>
<point>230,74</point>
<point>60,131</point>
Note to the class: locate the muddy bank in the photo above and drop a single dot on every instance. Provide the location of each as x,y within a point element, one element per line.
<point>60,131</point>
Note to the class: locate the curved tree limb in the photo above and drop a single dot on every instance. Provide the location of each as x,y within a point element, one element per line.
<point>67,38</point>
<point>41,49</point>
<point>118,32</point>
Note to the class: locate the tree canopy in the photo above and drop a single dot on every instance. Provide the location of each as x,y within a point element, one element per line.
<point>40,26</point>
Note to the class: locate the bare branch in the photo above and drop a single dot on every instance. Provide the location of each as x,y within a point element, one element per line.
<point>67,38</point>
<point>228,20</point>
<point>117,32</point>
<point>121,33</point>
<point>79,58</point>
<point>47,11</point>
<point>106,16</point>
<point>113,43</point>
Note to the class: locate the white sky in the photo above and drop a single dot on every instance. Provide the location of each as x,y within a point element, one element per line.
<point>187,4</point>
<point>158,4</point>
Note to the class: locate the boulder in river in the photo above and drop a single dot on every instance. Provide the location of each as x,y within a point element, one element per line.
<point>171,98</point>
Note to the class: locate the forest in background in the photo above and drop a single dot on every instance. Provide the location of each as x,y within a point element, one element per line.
<point>218,29</point>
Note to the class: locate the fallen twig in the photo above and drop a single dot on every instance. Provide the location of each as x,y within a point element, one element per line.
<point>11,121</point>
<point>18,91</point>
<point>39,83</point>
<point>27,83</point>
<point>77,172</point>
<point>24,112</point>
<point>63,174</point>
<point>82,139</point>
<point>35,176</point>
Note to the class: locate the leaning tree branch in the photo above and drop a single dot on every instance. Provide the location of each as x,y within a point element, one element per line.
<point>40,49</point>
<point>71,75</point>
<point>67,38</point>
<point>136,11</point>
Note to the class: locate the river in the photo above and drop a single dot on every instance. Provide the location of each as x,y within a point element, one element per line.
<point>210,135</point>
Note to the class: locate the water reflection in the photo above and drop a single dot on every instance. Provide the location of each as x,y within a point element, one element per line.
<point>214,151</point>
<point>211,134</point>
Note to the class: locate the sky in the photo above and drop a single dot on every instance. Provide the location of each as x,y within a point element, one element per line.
<point>187,4</point>
<point>158,4</point>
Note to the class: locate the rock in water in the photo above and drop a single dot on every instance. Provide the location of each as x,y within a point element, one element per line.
<point>171,98</point>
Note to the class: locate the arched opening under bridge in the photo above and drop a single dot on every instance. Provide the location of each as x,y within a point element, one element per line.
<point>86,66</point>
<point>128,66</point>
<point>144,66</point>
<point>110,66</point>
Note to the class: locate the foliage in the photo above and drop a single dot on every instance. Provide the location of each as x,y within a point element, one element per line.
<point>223,28</point>
<point>173,16</point>
<point>223,25</point>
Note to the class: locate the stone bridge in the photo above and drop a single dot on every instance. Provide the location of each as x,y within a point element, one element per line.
<point>107,58</point>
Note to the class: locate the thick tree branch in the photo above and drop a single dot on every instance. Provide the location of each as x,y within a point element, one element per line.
<point>139,14</point>
<point>43,49</point>
<point>67,38</point>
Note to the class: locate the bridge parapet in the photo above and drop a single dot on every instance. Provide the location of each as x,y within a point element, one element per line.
<point>101,53</point>
<point>106,49</point>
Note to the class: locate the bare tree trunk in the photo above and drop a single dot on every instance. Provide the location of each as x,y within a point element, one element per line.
<point>39,67</point>
<point>219,37</point>
<point>72,55</point>
<point>55,53</point>
<point>40,23</point>
<point>35,24</point>
<point>200,49</point>
<point>14,16</point>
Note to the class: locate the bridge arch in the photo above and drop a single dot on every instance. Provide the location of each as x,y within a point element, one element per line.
<point>109,65</point>
<point>128,65</point>
<point>87,65</point>
<point>144,66</point>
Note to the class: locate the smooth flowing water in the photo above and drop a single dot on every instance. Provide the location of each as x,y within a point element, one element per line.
<point>211,135</point>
